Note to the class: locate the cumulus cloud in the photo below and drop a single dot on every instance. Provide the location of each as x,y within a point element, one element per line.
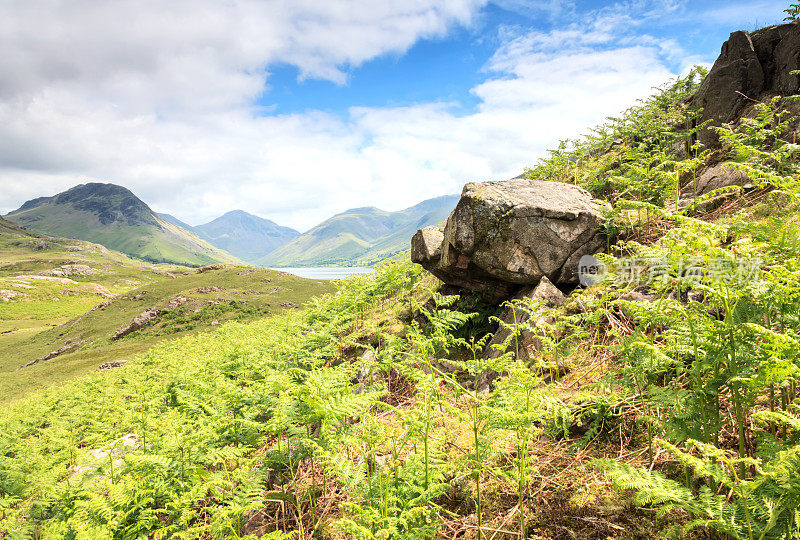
<point>160,97</point>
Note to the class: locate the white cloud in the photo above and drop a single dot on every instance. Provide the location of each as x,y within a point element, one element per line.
<point>159,97</point>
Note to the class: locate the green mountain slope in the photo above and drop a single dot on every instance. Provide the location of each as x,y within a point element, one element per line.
<point>62,300</point>
<point>114,217</point>
<point>361,236</point>
<point>244,235</point>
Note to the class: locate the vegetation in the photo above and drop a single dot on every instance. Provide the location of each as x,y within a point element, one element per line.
<point>365,415</point>
<point>51,288</point>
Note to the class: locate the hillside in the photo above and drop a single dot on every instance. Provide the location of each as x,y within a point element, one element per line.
<point>114,217</point>
<point>71,296</point>
<point>361,236</point>
<point>657,399</point>
<point>244,235</point>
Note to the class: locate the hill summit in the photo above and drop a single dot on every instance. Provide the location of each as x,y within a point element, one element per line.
<point>111,215</point>
<point>245,235</point>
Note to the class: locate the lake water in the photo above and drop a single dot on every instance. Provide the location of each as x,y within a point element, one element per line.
<point>326,273</point>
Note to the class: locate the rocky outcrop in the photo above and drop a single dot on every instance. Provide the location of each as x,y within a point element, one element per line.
<point>67,270</point>
<point>750,67</point>
<point>545,295</point>
<point>63,350</point>
<point>719,176</point>
<point>138,322</point>
<point>507,234</point>
<point>210,267</point>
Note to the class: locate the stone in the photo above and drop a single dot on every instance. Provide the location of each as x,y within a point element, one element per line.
<point>6,295</point>
<point>138,322</point>
<point>544,292</point>
<point>210,267</point>
<point>177,302</point>
<point>209,290</point>
<point>63,350</point>
<point>751,66</point>
<point>529,342</point>
<point>716,177</point>
<point>509,233</point>
<point>426,245</point>
<point>368,372</point>
<point>111,365</point>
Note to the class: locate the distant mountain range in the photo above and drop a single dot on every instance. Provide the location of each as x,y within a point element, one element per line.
<point>361,236</point>
<point>112,216</point>
<point>244,235</point>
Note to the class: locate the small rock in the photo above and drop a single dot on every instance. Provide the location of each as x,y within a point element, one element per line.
<point>215,322</point>
<point>38,245</point>
<point>289,305</point>
<point>176,302</point>
<point>65,349</point>
<point>528,342</point>
<point>208,290</point>
<point>209,267</point>
<point>111,365</point>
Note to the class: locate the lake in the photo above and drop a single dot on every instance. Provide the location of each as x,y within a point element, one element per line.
<point>326,272</point>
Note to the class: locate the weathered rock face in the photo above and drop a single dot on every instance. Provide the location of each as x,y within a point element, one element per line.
<point>138,322</point>
<point>712,178</point>
<point>544,292</point>
<point>749,67</point>
<point>505,234</point>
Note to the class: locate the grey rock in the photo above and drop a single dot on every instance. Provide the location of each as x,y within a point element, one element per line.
<point>749,67</point>
<point>718,176</point>
<point>529,342</point>
<point>544,292</point>
<point>210,267</point>
<point>513,232</point>
<point>426,245</point>
<point>138,322</point>
<point>712,178</point>
<point>111,365</point>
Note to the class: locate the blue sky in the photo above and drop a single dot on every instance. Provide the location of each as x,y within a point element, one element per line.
<point>446,68</point>
<point>299,109</point>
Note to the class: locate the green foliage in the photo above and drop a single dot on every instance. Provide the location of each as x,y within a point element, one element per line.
<point>636,155</point>
<point>792,13</point>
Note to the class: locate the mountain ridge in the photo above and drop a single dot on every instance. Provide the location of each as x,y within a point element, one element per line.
<point>111,215</point>
<point>360,236</point>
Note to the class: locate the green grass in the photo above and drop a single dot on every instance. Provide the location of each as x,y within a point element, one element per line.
<point>54,312</point>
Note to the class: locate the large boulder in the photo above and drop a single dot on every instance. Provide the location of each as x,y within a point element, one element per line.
<point>511,233</point>
<point>750,67</point>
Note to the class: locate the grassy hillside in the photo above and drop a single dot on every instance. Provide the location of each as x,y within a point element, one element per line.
<point>661,402</point>
<point>114,217</point>
<point>244,235</point>
<point>49,287</point>
<point>361,236</point>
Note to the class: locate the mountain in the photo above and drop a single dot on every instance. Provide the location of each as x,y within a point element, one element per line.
<point>175,221</point>
<point>244,235</point>
<point>361,236</point>
<point>112,216</point>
